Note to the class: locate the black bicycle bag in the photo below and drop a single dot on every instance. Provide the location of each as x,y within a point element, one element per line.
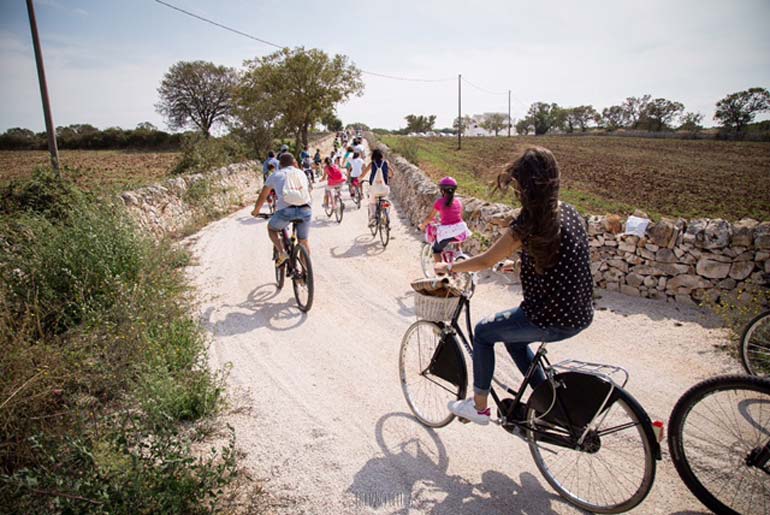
<point>448,363</point>
<point>579,398</point>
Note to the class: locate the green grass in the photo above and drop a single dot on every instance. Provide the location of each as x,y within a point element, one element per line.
<point>605,174</point>
<point>100,363</point>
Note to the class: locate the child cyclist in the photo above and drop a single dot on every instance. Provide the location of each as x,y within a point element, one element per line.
<point>452,226</point>
<point>334,178</point>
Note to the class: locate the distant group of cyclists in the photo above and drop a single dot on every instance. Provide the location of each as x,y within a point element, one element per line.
<point>555,262</point>
<point>289,180</point>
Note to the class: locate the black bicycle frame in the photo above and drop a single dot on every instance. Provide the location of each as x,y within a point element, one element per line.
<point>540,359</point>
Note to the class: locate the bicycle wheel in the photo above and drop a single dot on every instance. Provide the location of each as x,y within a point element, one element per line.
<point>280,271</point>
<point>614,470</point>
<point>374,227</point>
<point>357,197</point>
<point>426,394</point>
<point>328,208</point>
<point>426,260</point>
<point>755,346</point>
<point>340,209</point>
<point>302,278</point>
<point>714,428</point>
<point>384,227</point>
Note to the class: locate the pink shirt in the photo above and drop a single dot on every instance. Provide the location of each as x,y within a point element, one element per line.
<point>334,176</point>
<point>449,215</point>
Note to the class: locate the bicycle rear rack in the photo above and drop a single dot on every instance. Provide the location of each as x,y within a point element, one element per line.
<point>607,372</point>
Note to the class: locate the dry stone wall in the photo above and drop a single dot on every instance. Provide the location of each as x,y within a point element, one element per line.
<point>677,260</point>
<point>167,207</point>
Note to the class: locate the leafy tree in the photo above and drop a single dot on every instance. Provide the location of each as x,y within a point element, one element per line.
<point>304,86</point>
<point>21,139</point>
<point>495,122</point>
<point>255,116</point>
<point>545,116</point>
<point>332,123</point>
<point>580,116</point>
<point>462,124</point>
<point>691,122</point>
<point>358,126</point>
<point>146,126</point>
<point>660,113</point>
<point>613,117</point>
<point>634,109</point>
<point>196,94</point>
<point>737,110</point>
<point>419,123</point>
<point>523,126</point>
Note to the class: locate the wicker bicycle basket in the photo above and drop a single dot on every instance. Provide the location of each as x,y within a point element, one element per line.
<point>435,299</point>
<point>435,309</point>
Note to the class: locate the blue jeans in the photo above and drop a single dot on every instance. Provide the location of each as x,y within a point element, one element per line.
<point>283,217</point>
<point>513,328</point>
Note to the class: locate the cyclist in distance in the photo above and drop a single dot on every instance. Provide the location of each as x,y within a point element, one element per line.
<point>450,209</point>
<point>284,150</point>
<point>292,191</point>
<point>271,160</point>
<point>304,155</point>
<point>356,168</point>
<point>379,181</point>
<point>555,276</point>
<point>335,179</point>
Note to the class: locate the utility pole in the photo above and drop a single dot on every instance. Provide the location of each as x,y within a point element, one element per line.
<point>49,127</point>
<point>459,111</point>
<point>509,113</point>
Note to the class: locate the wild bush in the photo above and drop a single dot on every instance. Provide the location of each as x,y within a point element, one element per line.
<point>100,361</point>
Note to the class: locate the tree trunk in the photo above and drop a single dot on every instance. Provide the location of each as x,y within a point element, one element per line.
<point>304,135</point>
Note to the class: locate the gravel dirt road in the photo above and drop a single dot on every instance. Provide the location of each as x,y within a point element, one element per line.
<point>327,426</point>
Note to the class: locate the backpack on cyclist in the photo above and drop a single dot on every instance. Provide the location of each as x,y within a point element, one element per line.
<point>378,186</point>
<point>295,188</point>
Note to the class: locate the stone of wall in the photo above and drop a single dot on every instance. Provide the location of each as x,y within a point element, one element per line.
<point>677,260</point>
<point>164,208</point>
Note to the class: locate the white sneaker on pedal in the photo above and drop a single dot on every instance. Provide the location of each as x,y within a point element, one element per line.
<point>466,409</point>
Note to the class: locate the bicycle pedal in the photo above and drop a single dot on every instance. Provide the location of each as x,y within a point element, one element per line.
<point>463,420</point>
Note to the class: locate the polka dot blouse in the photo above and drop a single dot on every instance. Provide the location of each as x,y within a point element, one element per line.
<point>563,295</point>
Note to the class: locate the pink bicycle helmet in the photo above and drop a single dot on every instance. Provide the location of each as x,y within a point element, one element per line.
<point>447,182</point>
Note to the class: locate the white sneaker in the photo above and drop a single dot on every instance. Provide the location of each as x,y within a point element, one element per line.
<point>466,409</point>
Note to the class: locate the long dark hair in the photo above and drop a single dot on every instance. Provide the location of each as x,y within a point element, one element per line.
<point>449,195</point>
<point>536,174</point>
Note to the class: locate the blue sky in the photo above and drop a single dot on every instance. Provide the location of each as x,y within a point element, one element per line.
<point>105,58</point>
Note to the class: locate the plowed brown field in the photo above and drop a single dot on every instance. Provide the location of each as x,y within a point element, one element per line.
<point>688,178</point>
<point>93,169</point>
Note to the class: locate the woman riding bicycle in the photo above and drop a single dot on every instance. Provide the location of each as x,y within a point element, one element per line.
<point>335,179</point>
<point>555,277</point>
<point>452,226</point>
<point>379,181</point>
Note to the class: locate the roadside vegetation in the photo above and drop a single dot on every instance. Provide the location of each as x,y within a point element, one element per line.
<point>104,388</point>
<point>663,177</point>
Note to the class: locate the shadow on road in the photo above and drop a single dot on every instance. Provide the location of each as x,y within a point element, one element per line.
<point>255,312</point>
<point>363,245</point>
<point>412,476</point>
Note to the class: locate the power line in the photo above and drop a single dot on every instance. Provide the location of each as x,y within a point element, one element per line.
<point>407,78</point>
<point>212,22</point>
<point>255,38</point>
<point>483,89</point>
